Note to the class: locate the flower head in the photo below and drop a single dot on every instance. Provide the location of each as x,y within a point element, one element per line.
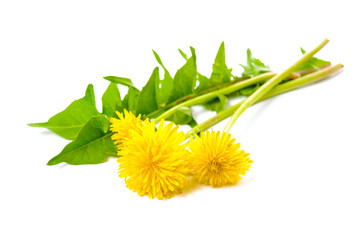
<point>216,160</point>
<point>123,126</point>
<point>153,161</point>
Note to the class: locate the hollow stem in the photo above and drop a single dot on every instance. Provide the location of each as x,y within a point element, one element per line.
<point>279,89</point>
<point>293,75</point>
<point>270,84</point>
<point>211,95</point>
<point>211,89</point>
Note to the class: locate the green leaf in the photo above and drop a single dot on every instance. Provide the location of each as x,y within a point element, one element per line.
<point>218,104</point>
<point>163,87</point>
<point>183,54</point>
<point>120,80</point>
<point>220,74</point>
<point>203,82</point>
<point>130,100</point>
<point>91,146</point>
<point>314,62</point>
<point>111,100</point>
<point>181,116</point>
<point>68,123</point>
<point>146,102</point>
<point>192,123</point>
<point>254,66</point>
<point>185,78</point>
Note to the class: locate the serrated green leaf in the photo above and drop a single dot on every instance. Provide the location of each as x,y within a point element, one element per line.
<point>220,69</point>
<point>158,59</point>
<point>220,74</point>
<point>120,80</point>
<point>192,123</point>
<point>254,66</point>
<point>146,102</point>
<point>91,146</point>
<point>130,100</point>
<point>111,100</point>
<point>183,54</point>
<point>68,123</point>
<point>163,87</point>
<point>218,104</point>
<point>181,116</point>
<point>202,82</point>
<point>185,78</point>
<point>314,62</point>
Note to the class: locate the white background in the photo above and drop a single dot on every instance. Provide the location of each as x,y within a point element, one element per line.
<point>304,183</point>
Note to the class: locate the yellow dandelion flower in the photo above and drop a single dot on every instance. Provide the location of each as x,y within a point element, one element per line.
<point>122,126</point>
<point>153,161</point>
<point>216,160</point>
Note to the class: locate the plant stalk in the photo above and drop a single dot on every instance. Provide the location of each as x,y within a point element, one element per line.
<point>279,89</point>
<point>270,84</point>
<point>211,95</point>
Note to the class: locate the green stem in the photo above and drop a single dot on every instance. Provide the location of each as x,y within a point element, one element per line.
<point>293,75</point>
<point>279,89</point>
<point>270,84</point>
<point>211,95</point>
<point>190,96</point>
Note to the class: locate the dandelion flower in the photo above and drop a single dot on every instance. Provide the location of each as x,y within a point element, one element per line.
<point>153,161</point>
<point>122,126</point>
<point>216,160</point>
